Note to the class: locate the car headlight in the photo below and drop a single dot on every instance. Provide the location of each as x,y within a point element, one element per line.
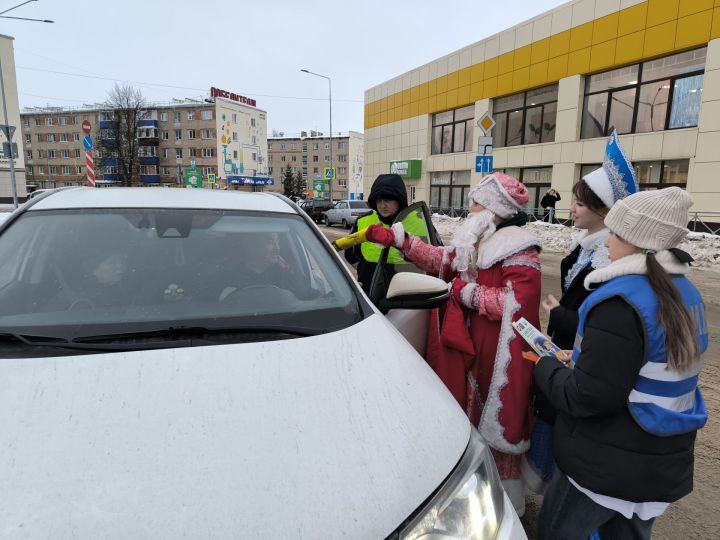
<point>469,506</point>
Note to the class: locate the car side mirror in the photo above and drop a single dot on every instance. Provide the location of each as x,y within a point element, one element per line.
<point>409,290</point>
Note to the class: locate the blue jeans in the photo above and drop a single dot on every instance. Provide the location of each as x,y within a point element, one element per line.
<point>569,514</point>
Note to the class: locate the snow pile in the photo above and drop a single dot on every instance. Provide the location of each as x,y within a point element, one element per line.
<point>704,248</point>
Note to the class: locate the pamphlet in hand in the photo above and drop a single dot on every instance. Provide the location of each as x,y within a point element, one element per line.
<point>539,342</point>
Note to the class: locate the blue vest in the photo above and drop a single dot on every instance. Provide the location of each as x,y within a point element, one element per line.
<point>663,402</point>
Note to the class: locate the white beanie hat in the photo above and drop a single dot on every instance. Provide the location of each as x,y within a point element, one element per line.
<point>654,220</point>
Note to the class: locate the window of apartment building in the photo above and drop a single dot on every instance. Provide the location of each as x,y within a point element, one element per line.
<point>164,135</point>
<point>254,156</point>
<point>73,120</point>
<point>293,146</point>
<point>304,148</point>
<point>315,170</point>
<point>65,169</point>
<point>39,137</point>
<point>342,158</point>
<point>166,153</point>
<point>655,174</point>
<point>177,116</point>
<point>178,134</point>
<point>76,136</point>
<point>342,145</point>
<point>206,115</point>
<point>208,170</point>
<point>41,154</point>
<point>235,155</point>
<point>293,158</point>
<point>207,133</point>
<point>37,121</point>
<point>65,154</point>
<point>252,122</point>
<point>254,139</point>
<point>304,171</point>
<point>63,121</point>
<point>53,169</point>
<point>342,170</point>
<point>448,191</point>
<point>525,118</point>
<point>315,146</point>
<point>30,170</point>
<point>208,152</point>
<point>78,169</point>
<point>316,159</point>
<point>282,146</point>
<point>653,96</point>
<point>282,158</point>
<point>191,133</point>
<point>191,116</point>
<point>28,154</point>
<point>192,152</point>
<point>77,152</point>
<point>270,170</point>
<point>234,136</point>
<point>327,159</point>
<point>166,171</point>
<point>452,131</point>
<point>28,139</point>
<point>537,180</point>
<point>178,153</point>
<point>50,137</point>
<point>41,170</point>
<point>163,116</point>
<point>51,154</point>
<point>26,122</point>
<point>63,137</point>
<point>234,118</point>
<point>49,121</point>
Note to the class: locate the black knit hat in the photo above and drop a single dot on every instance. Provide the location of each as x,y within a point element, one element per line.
<point>388,186</point>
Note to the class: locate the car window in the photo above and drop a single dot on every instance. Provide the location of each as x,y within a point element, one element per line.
<point>70,272</point>
<point>358,205</point>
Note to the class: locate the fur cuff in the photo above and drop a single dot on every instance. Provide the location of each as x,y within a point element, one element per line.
<point>399,232</point>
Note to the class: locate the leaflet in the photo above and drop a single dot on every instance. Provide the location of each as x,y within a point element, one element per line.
<point>539,342</point>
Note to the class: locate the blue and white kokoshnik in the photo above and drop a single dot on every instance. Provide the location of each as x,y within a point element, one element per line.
<point>663,402</point>
<point>615,179</point>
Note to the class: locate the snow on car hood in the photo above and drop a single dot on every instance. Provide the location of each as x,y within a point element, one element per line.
<point>342,435</point>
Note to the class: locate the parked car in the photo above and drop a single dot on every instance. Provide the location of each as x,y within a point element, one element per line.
<point>315,208</point>
<point>346,213</point>
<point>37,193</point>
<point>200,364</point>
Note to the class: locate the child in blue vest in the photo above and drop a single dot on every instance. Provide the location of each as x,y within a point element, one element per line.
<point>629,410</point>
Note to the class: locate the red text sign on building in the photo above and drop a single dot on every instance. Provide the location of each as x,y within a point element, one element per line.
<point>216,92</point>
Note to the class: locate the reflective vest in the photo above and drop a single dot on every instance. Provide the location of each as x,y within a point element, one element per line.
<point>371,251</point>
<point>663,402</point>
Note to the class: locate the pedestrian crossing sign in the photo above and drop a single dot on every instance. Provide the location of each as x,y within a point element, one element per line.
<point>211,178</point>
<point>329,173</point>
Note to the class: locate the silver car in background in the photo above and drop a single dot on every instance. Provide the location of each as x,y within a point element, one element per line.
<point>346,213</point>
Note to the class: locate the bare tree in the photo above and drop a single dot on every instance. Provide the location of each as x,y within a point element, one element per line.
<point>125,107</point>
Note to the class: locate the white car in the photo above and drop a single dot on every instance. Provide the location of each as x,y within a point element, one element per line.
<point>346,213</point>
<point>200,364</point>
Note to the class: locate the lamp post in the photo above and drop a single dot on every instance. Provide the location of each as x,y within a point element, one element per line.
<point>7,127</point>
<point>330,101</point>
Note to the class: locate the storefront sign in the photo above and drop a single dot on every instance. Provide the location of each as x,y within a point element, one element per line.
<point>250,180</point>
<point>408,169</point>
<point>216,92</point>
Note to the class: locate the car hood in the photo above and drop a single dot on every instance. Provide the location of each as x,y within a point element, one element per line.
<point>341,435</point>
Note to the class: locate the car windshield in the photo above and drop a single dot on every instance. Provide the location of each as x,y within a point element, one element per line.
<point>80,273</point>
<point>358,204</point>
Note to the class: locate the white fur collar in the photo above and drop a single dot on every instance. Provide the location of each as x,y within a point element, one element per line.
<point>590,242</point>
<point>503,243</point>
<point>634,264</point>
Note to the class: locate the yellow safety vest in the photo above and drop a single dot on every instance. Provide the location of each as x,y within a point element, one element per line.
<point>371,251</point>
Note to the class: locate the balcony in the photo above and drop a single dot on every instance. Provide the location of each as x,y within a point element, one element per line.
<point>111,177</point>
<point>108,143</point>
<point>149,160</point>
<point>150,178</point>
<point>147,124</point>
<point>109,162</point>
<point>108,124</point>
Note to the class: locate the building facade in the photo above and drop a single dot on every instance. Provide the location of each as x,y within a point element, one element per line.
<point>556,86</point>
<point>311,153</point>
<point>218,136</point>
<point>7,60</point>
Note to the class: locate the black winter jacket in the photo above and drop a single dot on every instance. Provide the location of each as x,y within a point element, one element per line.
<point>365,269</point>
<point>596,441</point>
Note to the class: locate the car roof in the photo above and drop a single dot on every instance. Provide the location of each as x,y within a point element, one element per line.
<point>85,197</point>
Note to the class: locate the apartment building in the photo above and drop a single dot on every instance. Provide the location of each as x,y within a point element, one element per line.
<point>310,153</point>
<point>556,85</point>
<point>219,136</point>
<point>7,59</point>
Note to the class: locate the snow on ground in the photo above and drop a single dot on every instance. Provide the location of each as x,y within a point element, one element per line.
<point>704,248</point>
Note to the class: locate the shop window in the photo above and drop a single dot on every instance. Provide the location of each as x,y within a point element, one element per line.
<point>449,192</point>
<point>452,131</point>
<point>657,95</point>
<point>525,118</point>
<point>654,174</point>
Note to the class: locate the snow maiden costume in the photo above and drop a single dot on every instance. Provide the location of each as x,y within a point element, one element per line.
<point>495,274</point>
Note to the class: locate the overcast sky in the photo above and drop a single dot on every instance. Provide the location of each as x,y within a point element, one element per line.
<point>179,48</point>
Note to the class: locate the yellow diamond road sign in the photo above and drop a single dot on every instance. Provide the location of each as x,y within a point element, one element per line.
<point>486,123</point>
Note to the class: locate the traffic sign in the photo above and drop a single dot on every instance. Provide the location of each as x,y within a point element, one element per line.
<point>86,127</point>
<point>192,163</point>
<point>8,130</point>
<point>319,185</point>
<point>329,173</point>
<point>211,178</point>
<point>486,123</point>
<point>88,143</point>
<point>485,146</point>
<point>483,164</point>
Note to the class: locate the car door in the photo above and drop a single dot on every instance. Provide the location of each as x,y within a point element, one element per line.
<point>412,323</point>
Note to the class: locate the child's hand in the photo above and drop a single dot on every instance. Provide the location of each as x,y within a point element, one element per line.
<point>550,303</point>
<point>565,357</point>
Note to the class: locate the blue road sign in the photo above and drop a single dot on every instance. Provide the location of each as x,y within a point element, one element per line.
<point>87,143</point>
<point>329,173</point>
<point>483,164</point>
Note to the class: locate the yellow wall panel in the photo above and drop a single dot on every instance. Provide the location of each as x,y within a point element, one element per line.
<point>442,85</point>
<point>432,88</point>
<point>432,104</point>
<point>452,80</point>
<point>560,44</point>
<point>505,84</point>
<point>383,118</point>
<point>658,40</point>
<point>715,31</point>
<point>464,95</point>
<point>662,11</point>
<point>538,74</point>
<point>505,62</point>
<point>423,106</point>
<point>602,56</point>
<point>491,68</point>
<point>452,99</point>
<point>423,91</point>
<point>557,68</point>
<point>540,51</point>
<point>688,7</point>
<point>441,103</point>
<point>476,91</point>
<point>414,94</point>
<point>579,61</point>
<point>693,30</point>
<point>404,112</point>
<point>522,57</point>
<point>414,108</point>
<point>605,28</point>
<point>463,77</point>
<point>405,97</point>
<point>581,36</point>
<point>630,48</point>
<point>632,19</point>
<point>490,87</point>
<point>521,79</point>
<point>476,72</point>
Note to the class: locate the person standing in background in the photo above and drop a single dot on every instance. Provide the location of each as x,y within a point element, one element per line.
<point>548,203</point>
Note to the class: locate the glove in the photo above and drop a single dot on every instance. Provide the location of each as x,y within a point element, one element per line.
<point>456,288</point>
<point>380,235</point>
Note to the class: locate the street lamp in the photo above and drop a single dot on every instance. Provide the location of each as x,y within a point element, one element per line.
<point>6,127</point>
<point>330,101</point>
